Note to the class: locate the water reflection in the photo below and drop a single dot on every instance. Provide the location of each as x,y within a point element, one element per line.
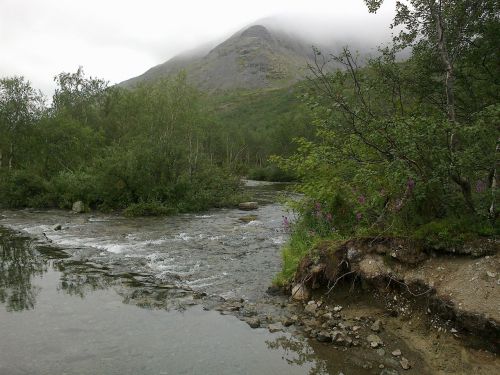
<point>298,352</point>
<point>21,261</point>
<point>19,264</point>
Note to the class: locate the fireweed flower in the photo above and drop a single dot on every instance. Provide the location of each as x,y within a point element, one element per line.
<point>329,217</point>
<point>286,223</point>
<point>359,216</point>
<point>480,186</point>
<point>361,199</point>
<point>410,184</point>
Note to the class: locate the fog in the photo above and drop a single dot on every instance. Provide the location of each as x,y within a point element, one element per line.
<point>119,39</point>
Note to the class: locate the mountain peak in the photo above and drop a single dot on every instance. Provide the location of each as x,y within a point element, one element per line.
<point>256,31</point>
<point>253,58</point>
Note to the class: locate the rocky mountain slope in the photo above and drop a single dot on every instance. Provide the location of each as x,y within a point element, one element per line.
<point>256,57</point>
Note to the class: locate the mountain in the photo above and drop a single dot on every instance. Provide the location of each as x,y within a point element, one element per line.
<point>255,57</point>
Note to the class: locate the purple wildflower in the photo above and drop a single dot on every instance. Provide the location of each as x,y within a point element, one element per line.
<point>410,184</point>
<point>329,217</point>
<point>480,186</point>
<point>317,206</point>
<point>361,199</point>
<point>286,223</point>
<point>359,216</point>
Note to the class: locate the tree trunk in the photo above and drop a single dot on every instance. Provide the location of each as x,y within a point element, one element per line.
<point>492,210</point>
<point>464,184</point>
<point>11,155</point>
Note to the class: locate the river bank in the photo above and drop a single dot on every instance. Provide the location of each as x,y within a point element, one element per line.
<point>151,295</point>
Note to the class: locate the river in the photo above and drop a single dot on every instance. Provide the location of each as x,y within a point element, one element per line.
<point>113,295</point>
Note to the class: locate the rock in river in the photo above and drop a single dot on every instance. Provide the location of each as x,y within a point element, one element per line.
<point>248,206</point>
<point>248,218</point>
<point>78,207</point>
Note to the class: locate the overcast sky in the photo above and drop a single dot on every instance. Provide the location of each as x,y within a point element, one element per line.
<point>120,39</point>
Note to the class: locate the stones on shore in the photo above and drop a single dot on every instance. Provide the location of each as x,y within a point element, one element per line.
<point>248,206</point>
<point>253,322</point>
<point>491,274</point>
<point>324,336</point>
<point>374,341</point>
<point>405,364</point>
<point>376,326</point>
<point>389,371</point>
<point>396,353</point>
<point>57,227</point>
<point>300,292</point>
<point>311,307</point>
<point>275,327</point>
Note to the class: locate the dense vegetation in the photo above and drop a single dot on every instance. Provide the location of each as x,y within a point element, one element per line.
<point>256,124</point>
<point>147,149</point>
<point>159,148</point>
<point>405,148</point>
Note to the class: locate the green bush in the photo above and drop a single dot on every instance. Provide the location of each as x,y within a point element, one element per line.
<point>148,209</point>
<point>269,173</point>
<point>21,188</point>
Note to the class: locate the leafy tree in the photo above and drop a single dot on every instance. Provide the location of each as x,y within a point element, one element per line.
<point>20,107</point>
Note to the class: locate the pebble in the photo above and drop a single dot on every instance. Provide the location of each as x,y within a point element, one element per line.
<point>396,353</point>
<point>337,308</point>
<point>381,352</point>
<point>491,274</point>
<point>374,341</point>
<point>323,336</point>
<point>311,308</point>
<point>287,322</point>
<point>376,326</point>
<point>405,364</point>
<point>275,327</point>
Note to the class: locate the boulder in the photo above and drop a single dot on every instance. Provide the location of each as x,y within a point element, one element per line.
<point>248,206</point>
<point>57,227</point>
<point>78,207</point>
<point>300,292</point>
<point>253,322</point>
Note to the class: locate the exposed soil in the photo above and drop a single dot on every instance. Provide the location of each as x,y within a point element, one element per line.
<point>442,311</point>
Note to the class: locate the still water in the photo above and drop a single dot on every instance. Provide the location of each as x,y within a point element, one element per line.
<point>112,295</point>
<point>51,326</point>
